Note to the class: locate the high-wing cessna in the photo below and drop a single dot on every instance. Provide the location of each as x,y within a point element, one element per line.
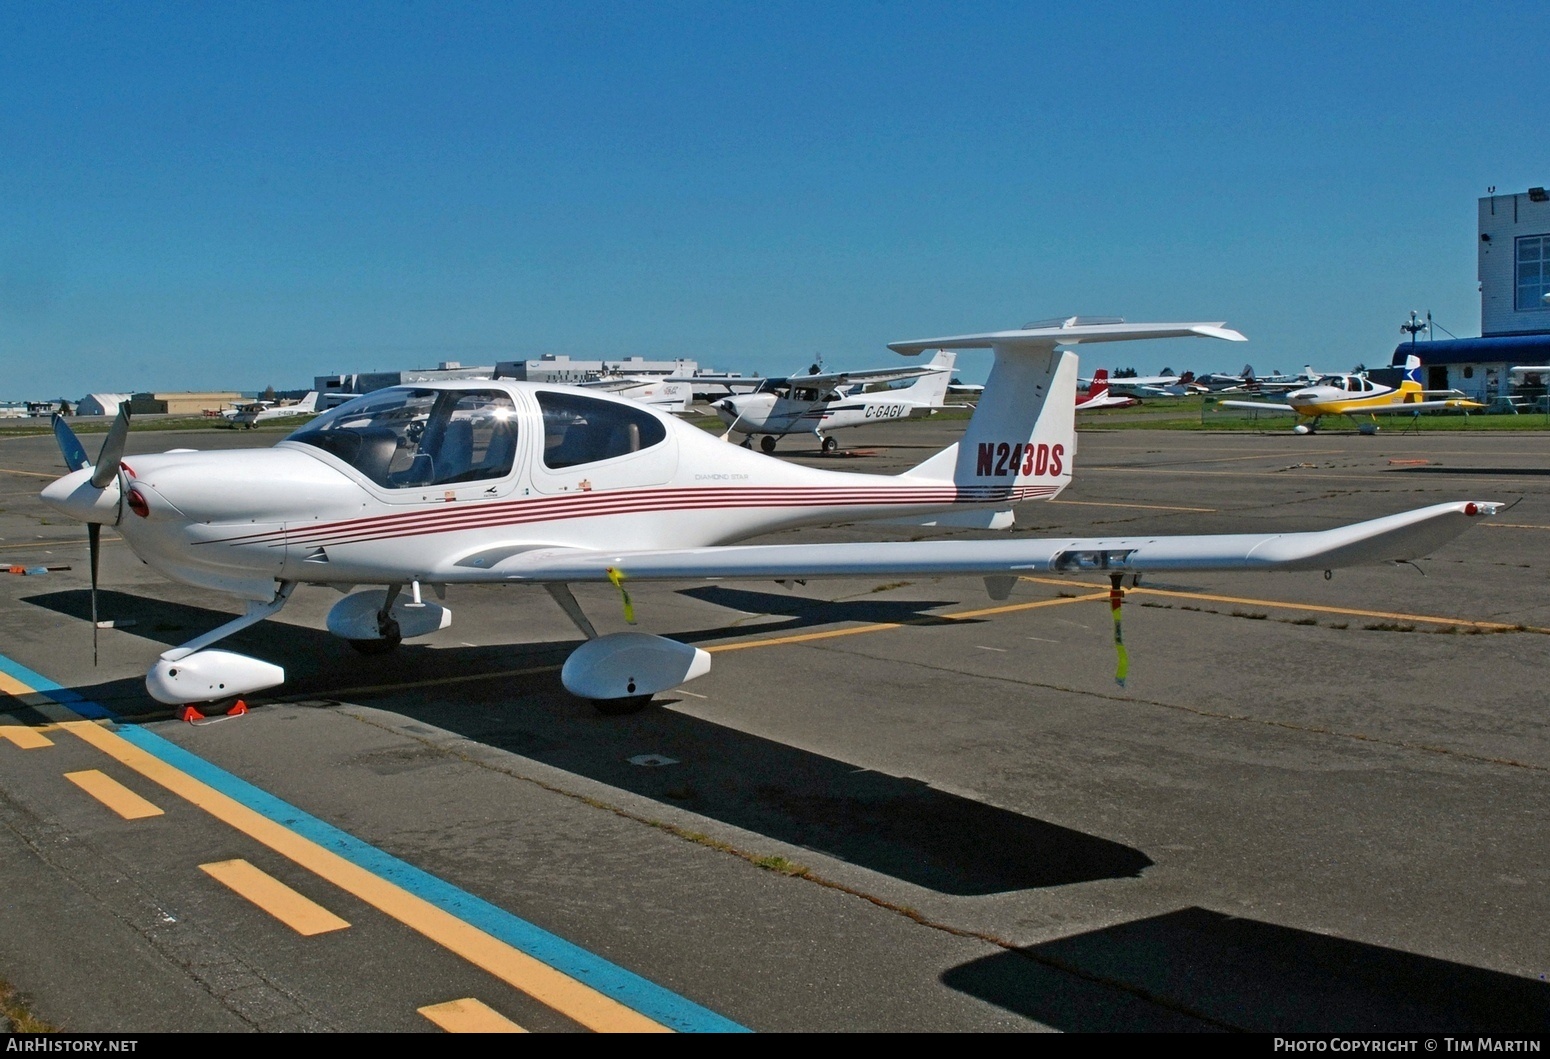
<point>670,394</point>
<point>1355,395</point>
<point>476,482</point>
<point>247,415</point>
<point>1099,395</point>
<point>822,401</point>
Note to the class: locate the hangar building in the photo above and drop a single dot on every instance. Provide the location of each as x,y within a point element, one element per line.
<point>551,367</point>
<point>1514,274</point>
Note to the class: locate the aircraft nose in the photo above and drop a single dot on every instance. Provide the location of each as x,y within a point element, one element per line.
<point>74,495</point>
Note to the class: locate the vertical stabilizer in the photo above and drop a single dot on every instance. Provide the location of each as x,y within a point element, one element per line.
<point>930,390</point>
<point>1022,436</point>
<point>1021,440</point>
<point>1023,432</point>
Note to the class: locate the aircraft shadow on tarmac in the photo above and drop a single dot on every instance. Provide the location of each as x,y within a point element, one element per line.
<point>807,611</point>
<point>1494,472</point>
<point>1199,969</point>
<point>893,825</point>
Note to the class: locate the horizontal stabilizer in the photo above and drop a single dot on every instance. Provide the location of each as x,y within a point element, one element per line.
<point>1071,332</point>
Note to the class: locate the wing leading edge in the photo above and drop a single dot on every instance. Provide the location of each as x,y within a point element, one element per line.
<point>1403,536</point>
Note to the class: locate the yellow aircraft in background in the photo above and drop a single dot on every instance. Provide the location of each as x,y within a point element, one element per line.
<point>1355,395</point>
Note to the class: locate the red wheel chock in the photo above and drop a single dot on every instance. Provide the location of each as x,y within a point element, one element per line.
<point>192,715</point>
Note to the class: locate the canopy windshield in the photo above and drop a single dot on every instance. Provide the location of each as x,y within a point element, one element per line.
<point>404,438</point>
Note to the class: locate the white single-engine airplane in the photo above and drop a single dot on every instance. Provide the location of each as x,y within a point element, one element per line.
<point>478,482</point>
<point>248,415</point>
<point>820,401</point>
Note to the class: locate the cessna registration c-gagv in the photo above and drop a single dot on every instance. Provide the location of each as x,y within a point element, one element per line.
<point>820,401</point>
<point>473,481</point>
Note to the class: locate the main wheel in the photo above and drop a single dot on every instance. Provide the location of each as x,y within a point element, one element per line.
<point>377,647</point>
<point>767,443</point>
<point>830,444</point>
<point>621,707</point>
<point>747,442</point>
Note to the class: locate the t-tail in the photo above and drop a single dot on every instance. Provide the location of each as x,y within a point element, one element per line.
<point>1020,443</point>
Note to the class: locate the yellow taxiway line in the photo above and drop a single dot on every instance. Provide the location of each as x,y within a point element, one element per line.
<point>1139,507</point>
<point>24,737</point>
<point>543,983</point>
<point>1354,612</point>
<point>113,794</point>
<point>882,626</point>
<point>297,911</point>
<point>469,1016</point>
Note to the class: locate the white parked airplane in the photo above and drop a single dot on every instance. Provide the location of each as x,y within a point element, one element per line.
<point>823,401</point>
<point>248,415</point>
<point>505,482</point>
<point>1164,385</point>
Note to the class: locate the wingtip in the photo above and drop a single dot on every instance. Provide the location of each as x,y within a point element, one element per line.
<point>1225,333</point>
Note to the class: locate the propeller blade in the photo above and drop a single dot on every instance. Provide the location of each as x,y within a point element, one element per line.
<point>70,445</point>
<point>94,547</point>
<point>112,450</point>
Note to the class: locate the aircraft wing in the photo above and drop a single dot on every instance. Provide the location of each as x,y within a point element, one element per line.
<point>1142,380</point>
<point>1421,406</point>
<point>1258,406</point>
<point>1403,536</point>
<point>614,383</point>
<point>864,377</point>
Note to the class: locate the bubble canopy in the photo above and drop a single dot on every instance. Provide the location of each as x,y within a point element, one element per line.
<point>407,437</point>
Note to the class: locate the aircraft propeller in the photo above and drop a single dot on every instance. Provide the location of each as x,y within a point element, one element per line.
<point>104,473</point>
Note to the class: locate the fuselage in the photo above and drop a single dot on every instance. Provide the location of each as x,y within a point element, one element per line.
<point>1345,394</point>
<point>439,482</point>
<point>775,413</point>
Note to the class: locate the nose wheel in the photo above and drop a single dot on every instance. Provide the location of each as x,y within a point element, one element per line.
<point>829,445</point>
<point>767,443</point>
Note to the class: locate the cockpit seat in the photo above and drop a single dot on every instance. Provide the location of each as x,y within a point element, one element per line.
<point>378,446</point>
<point>455,455</point>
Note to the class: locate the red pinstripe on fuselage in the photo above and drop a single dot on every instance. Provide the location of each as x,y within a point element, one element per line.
<point>451,518</point>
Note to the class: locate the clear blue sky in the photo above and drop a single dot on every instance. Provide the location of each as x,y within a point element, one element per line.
<point>237,195</point>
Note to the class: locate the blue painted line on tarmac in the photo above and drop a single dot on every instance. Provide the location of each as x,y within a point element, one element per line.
<point>640,994</point>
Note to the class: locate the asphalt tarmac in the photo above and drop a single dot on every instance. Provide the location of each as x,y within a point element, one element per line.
<point>1314,805</point>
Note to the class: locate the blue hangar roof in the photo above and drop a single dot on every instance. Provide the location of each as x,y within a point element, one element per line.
<point>1492,349</point>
